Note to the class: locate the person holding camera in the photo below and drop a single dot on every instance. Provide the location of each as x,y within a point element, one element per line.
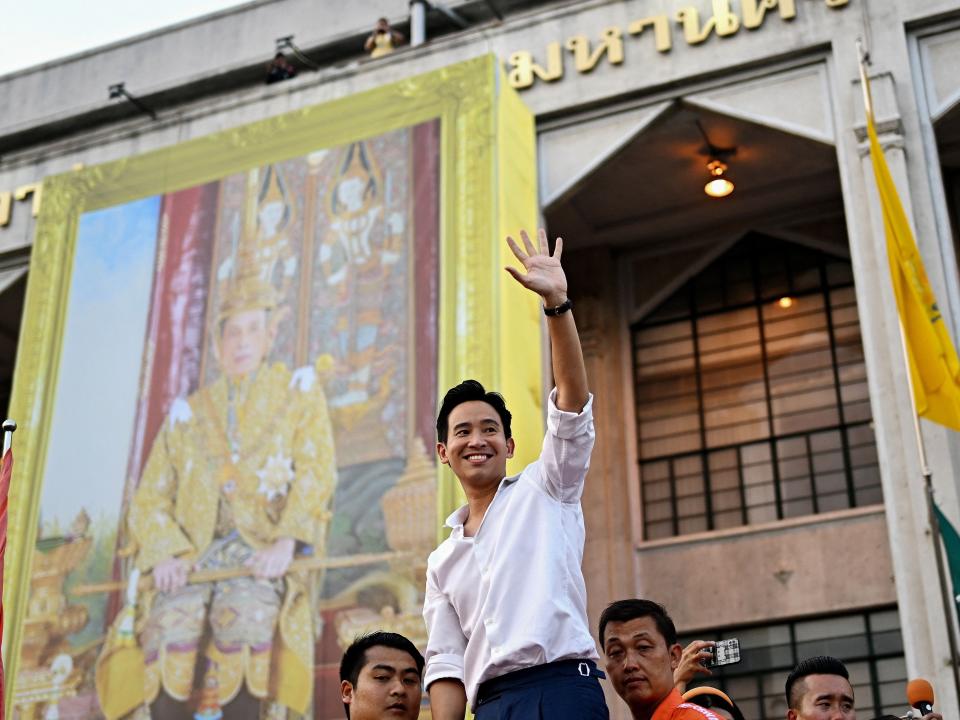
<point>383,40</point>
<point>639,642</point>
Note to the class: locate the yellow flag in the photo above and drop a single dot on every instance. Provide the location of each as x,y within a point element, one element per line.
<point>934,367</point>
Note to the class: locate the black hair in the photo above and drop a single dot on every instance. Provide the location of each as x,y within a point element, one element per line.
<point>355,656</point>
<point>468,391</point>
<point>624,610</point>
<point>819,665</point>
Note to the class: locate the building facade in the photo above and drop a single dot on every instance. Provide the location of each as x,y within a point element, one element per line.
<point>756,468</point>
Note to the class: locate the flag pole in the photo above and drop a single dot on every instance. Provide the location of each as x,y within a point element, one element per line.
<point>948,604</point>
<point>9,427</point>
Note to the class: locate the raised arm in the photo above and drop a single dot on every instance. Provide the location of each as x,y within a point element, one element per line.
<point>544,276</point>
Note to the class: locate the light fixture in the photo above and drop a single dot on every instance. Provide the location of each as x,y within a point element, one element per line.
<point>785,302</point>
<point>719,185</point>
<point>119,91</point>
<point>286,43</point>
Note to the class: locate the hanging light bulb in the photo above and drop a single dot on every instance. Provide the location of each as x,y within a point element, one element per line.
<point>718,186</point>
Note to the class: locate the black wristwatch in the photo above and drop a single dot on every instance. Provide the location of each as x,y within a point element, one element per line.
<point>559,309</point>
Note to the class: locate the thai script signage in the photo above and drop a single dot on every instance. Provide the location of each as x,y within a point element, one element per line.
<point>22,193</point>
<point>723,21</point>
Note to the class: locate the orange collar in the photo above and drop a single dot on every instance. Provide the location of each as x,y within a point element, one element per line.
<point>666,707</point>
<point>674,702</point>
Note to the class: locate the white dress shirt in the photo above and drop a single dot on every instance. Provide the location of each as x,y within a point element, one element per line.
<point>513,595</point>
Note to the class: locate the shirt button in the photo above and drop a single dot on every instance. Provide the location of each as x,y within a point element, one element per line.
<point>488,621</point>
<point>495,650</point>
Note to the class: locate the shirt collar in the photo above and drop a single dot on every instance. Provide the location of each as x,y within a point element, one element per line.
<point>458,517</point>
<point>667,705</point>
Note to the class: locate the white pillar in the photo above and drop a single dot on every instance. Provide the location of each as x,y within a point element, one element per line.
<point>926,644</point>
<point>418,22</point>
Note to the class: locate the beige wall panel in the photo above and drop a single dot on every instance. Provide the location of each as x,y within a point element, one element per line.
<point>940,55</point>
<point>761,101</point>
<point>608,555</point>
<point>568,154</point>
<point>822,564</point>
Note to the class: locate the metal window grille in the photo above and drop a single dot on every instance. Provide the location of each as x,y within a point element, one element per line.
<point>869,644</point>
<point>751,389</point>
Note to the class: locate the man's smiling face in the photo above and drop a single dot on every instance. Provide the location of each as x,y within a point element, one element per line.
<point>476,449</point>
<point>639,663</point>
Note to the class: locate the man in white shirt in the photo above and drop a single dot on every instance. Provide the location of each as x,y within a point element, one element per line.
<point>506,605</point>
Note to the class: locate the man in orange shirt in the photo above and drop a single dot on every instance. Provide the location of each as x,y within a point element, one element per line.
<point>640,646</point>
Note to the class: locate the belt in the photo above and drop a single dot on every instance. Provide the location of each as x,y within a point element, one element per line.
<point>538,673</point>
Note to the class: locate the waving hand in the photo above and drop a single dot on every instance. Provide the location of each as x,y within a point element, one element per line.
<point>544,274</point>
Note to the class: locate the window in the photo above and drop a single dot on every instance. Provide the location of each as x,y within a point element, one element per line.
<point>869,644</point>
<point>751,394</point>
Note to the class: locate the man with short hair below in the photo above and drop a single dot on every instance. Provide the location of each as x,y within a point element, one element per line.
<point>380,677</point>
<point>639,642</point>
<point>819,688</point>
<point>506,606</point>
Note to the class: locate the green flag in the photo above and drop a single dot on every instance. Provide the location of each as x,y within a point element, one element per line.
<point>951,541</point>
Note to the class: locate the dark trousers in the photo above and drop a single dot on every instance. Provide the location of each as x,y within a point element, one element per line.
<point>562,690</point>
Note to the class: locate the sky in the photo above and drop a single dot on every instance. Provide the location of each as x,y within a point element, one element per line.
<point>102,354</point>
<point>36,32</point>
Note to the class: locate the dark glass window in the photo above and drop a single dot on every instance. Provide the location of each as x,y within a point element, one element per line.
<point>869,644</point>
<point>751,394</point>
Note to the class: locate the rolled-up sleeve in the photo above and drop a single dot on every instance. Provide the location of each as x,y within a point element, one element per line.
<point>565,457</point>
<point>446,643</point>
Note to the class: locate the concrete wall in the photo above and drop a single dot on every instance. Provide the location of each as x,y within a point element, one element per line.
<point>794,568</point>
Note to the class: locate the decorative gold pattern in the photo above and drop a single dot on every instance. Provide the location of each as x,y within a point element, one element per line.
<point>48,667</point>
<point>410,506</point>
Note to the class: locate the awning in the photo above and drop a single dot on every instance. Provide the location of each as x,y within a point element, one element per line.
<point>8,276</point>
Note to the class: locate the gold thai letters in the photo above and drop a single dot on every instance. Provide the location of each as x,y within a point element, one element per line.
<point>21,193</point>
<point>754,11</point>
<point>661,30</point>
<point>6,203</point>
<point>723,21</point>
<point>611,43</point>
<point>25,191</point>
<point>525,69</point>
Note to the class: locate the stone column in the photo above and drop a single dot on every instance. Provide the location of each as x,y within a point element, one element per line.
<point>920,604</point>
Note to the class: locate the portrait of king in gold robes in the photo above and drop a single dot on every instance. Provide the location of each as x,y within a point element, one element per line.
<point>218,492</point>
<point>277,498</point>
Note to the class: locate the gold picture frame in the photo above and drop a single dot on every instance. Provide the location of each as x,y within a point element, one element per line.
<point>489,327</point>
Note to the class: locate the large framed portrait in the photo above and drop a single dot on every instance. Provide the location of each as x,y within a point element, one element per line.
<point>231,361</point>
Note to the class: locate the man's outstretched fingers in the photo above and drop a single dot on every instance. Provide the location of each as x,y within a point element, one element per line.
<point>517,275</point>
<point>531,250</point>
<point>558,248</point>
<point>520,254</point>
<point>543,242</point>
